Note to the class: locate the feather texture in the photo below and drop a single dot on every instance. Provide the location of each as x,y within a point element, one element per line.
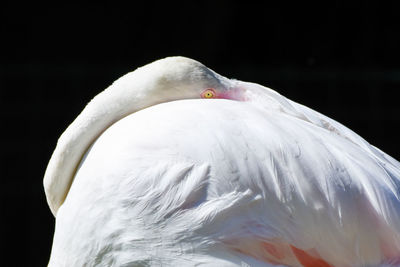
<point>227,183</point>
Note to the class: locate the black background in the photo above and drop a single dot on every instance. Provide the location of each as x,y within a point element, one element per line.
<point>341,58</point>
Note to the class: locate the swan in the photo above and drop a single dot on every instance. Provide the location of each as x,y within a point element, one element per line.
<point>176,165</point>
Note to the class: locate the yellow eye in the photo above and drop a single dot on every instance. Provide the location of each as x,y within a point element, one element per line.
<point>209,93</point>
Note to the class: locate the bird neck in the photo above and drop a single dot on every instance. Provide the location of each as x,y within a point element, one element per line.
<point>116,102</point>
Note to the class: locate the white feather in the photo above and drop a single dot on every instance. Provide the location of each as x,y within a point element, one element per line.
<point>213,182</point>
<point>197,175</point>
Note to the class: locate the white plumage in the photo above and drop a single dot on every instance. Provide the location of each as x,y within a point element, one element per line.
<point>254,181</point>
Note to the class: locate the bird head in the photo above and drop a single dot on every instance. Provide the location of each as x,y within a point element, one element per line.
<point>176,78</point>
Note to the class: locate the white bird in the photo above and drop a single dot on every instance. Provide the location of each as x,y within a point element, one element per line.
<point>245,178</point>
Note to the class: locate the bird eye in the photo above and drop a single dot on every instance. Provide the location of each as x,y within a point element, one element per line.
<point>208,93</point>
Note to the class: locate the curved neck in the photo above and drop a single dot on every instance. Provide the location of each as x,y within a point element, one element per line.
<point>116,102</point>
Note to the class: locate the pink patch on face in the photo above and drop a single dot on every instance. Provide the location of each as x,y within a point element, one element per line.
<point>225,95</point>
<point>235,93</point>
<point>232,94</point>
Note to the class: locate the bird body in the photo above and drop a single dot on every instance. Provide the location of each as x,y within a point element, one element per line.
<point>252,180</point>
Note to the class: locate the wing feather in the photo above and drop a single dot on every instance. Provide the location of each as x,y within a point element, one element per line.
<point>229,179</point>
